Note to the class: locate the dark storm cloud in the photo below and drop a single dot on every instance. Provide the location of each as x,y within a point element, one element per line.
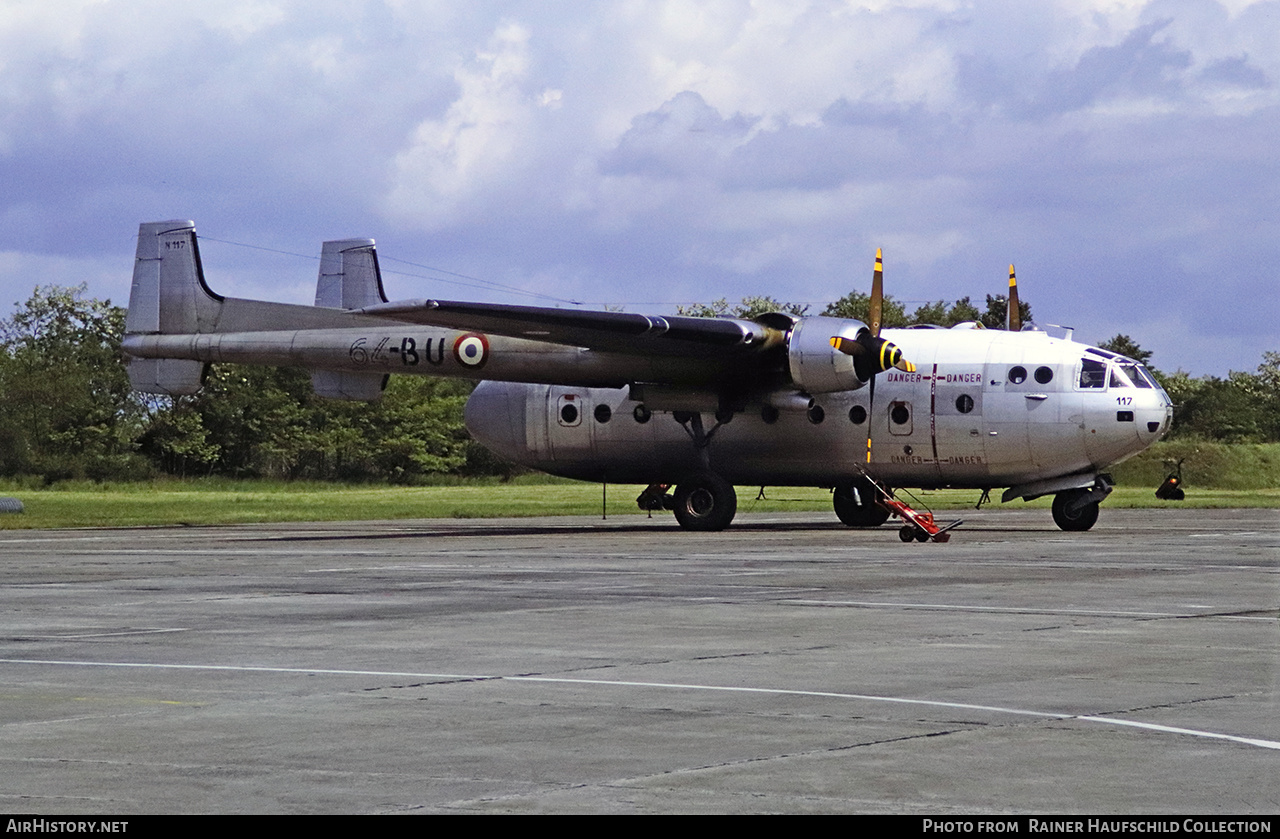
<point>683,138</point>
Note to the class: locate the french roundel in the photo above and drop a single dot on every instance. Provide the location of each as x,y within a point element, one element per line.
<point>471,349</point>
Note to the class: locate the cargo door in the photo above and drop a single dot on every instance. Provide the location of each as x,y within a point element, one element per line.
<point>1005,411</point>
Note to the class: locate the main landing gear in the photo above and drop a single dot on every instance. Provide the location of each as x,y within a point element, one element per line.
<point>864,503</point>
<point>856,505</point>
<point>703,500</point>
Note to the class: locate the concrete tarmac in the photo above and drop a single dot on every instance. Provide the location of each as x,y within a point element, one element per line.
<point>788,664</point>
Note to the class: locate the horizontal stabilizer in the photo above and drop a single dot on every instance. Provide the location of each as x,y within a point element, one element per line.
<point>354,387</point>
<point>171,376</point>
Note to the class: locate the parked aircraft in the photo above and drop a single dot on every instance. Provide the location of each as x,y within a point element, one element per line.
<point>700,404</point>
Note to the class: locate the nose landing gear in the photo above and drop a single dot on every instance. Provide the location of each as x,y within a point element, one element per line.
<point>1076,510</point>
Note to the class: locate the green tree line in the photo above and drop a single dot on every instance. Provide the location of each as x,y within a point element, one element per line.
<point>67,411</point>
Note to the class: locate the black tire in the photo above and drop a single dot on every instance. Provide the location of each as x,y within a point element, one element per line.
<point>855,514</point>
<point>1083,518</point>
<point>906,533</point>
<point>705,503</point>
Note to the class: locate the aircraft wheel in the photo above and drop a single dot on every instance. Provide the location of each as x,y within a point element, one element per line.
<point>855,514</point>
<point>1082,519</point>
<point>705,502</point>
<point>906,533</point>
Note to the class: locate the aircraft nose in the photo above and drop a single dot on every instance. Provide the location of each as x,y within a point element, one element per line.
<point>495,416</point>
<point>1156,415</point>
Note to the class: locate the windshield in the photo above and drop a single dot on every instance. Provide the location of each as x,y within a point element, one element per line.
<point>1137,374</point>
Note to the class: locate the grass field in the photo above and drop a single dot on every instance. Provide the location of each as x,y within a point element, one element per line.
<point>215,501</point>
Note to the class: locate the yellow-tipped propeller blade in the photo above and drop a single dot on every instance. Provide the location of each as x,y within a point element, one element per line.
<point>876,308</point>
<point>887,354</point>
<point>891,356</point>
<point>1014,317</point>
<point>884,353</point>
<point>848,346</point>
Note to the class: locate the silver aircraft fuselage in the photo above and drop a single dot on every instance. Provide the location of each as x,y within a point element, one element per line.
<point>985,408</point>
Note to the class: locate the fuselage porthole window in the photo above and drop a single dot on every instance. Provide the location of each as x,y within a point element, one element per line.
<point>1044,375</point>
<point>857,415</point>
<point>899,413</point>
<point>569,414</point>
<point>964,403</point>
<point>603,413</point>
<point>1017,375</point>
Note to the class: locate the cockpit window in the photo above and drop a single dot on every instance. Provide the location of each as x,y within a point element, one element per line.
<point>1119,381</point>
<point>1138,375</point>
<point>1093,373</point>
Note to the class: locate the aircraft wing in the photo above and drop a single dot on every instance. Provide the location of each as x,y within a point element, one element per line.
<point>621,332</point>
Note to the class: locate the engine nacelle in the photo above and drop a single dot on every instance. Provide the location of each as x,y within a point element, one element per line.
<point>816,366</point>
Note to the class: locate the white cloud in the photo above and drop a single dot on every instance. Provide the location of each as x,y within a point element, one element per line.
<point>453,158</point>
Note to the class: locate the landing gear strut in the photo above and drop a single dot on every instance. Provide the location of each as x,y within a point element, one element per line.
<point>704,500</point>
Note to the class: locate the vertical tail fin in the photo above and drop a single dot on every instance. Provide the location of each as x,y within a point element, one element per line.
<point>349,275</point>
<point>169,296</point>
<point>349,279</point>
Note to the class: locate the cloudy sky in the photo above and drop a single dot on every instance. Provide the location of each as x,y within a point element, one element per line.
<point>1124,154</point>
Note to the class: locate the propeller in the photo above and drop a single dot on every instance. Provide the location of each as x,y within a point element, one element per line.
<point>871,353</point>
<point>1013,319</point>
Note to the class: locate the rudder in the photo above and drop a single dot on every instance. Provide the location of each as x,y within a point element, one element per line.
<point>168,297</point>
<point>349,279</point>
<point>349,275</point>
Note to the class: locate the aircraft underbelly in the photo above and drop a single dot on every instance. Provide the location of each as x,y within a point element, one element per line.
<point>935,428</point>
<point>596,433</point>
